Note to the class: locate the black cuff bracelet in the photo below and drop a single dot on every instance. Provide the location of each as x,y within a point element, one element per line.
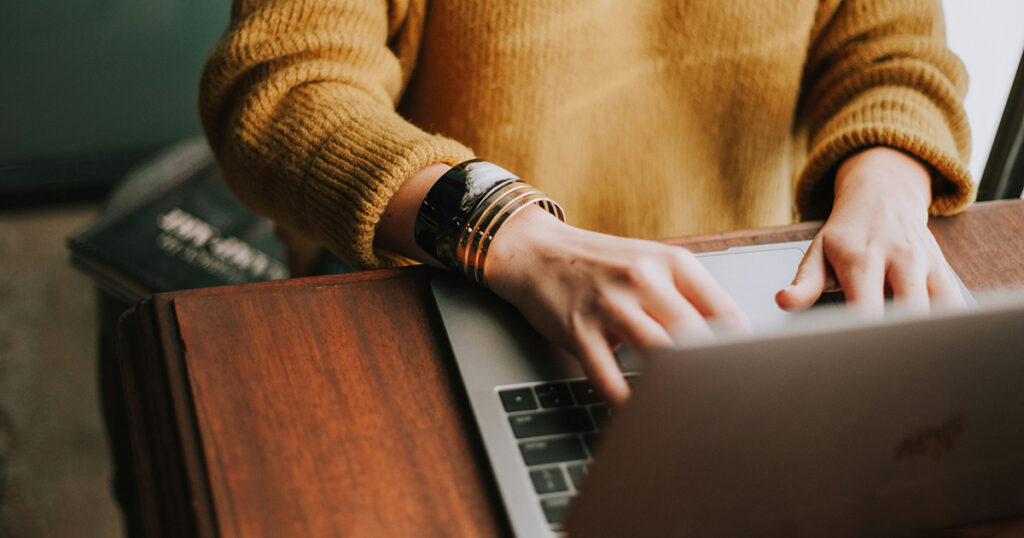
<point>447,206</point>
<point>464,209</point>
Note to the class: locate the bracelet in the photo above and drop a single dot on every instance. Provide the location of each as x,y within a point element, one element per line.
<point>463,211</point>
<point>447,206</point>
<point>499,206</point>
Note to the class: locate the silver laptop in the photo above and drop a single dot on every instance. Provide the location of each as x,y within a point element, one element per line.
<point>540,420</point>
<point>909,427</point>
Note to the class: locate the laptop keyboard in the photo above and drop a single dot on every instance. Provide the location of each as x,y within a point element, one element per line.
<point>556,426</point>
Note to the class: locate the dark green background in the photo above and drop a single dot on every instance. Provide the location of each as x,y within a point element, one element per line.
<point>87,78</point>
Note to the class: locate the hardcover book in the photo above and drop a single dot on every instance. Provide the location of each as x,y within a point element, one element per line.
<point>173,225</point>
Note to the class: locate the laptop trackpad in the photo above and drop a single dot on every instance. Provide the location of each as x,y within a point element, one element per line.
<point>753,277</point>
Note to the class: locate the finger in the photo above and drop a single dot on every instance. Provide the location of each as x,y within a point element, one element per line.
<point>676,315</point>
<point>602,369</point>
<point>693,328</point>
<point>809,282</point>
<point>943,288</point>
<point>909,283</point>
<point>635,327</point>
<point>862,278</point>
<point>707,296</point>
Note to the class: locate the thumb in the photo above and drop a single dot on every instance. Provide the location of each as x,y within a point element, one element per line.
<point>809,282</point>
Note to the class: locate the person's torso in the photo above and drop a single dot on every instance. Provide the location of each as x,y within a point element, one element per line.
<point>648,119</point>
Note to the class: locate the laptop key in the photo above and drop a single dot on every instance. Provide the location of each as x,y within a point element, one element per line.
<point>548,480</point>
<point>518,400</point>
<point>553,395</point>
<point>577,472</point>
<point>584,392</point>
<point>552,451</point>
<point>550,423</point>
<point>590,440</point>
<point>555,508</point>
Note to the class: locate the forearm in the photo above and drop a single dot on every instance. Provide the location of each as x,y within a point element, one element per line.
<point>298,105</point>
<point>879,74</point>
<point>395,231</point>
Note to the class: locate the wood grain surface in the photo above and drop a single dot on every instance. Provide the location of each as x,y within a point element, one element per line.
<point>330,406</point>
<point>327,411</point>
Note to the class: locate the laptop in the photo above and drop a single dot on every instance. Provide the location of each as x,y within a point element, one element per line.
<point>909,427</point>
<point>540,420</point>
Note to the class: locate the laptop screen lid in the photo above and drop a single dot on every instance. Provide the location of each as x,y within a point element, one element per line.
<point>876,429</point>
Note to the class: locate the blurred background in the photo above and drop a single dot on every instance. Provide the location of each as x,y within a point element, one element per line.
<point>90,89</point>
<point>92,86</point>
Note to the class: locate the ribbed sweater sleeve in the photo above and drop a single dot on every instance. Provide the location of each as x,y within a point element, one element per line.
<point>879,73</point>
<point>298,102</point>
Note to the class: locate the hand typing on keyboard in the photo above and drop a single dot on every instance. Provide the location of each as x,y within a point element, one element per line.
<point>589,292</point>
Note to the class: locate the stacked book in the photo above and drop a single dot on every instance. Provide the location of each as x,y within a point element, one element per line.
<point>172,225</point>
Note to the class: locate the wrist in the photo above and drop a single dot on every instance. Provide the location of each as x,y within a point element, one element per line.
<point>395,231</point>
<point>465,209</point>
<point>885,172</point>
<point>519,244</point>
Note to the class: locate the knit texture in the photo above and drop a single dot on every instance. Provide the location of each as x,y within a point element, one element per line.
<point>645,119</point>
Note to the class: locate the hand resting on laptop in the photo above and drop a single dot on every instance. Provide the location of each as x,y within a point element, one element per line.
<point>876,239</point>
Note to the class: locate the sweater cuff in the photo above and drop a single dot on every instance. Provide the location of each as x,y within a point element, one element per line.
<point>900,119</point>
<point>361,169</point>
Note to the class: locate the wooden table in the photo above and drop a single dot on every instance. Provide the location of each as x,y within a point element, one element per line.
<point>330,406</point>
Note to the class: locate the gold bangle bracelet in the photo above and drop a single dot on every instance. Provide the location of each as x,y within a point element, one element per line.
<point>510,210</point>
<point>506,210</point>
<point>478,231</point>
<point>476,220</point>
<point>487,220</point>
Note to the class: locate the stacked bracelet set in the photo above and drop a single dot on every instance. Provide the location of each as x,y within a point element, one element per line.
<point>464,210</point>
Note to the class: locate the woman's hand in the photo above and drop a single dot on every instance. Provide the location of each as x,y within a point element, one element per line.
<point>588,292</point>
<point>876,240</point>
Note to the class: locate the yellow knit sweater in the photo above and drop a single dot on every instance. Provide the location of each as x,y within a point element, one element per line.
<point>652,118</point>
